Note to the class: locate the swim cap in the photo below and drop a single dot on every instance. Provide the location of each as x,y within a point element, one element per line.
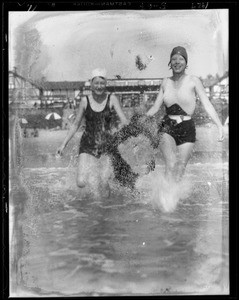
<point>98,73</point>
<point>179,50</point>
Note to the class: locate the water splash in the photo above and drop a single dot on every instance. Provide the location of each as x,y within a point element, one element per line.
<point>137,152</point>
<point>163,194</point>
<point>31,56</point>
<point>15,141</point>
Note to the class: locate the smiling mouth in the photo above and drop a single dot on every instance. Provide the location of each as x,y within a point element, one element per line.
<point>177,67</point>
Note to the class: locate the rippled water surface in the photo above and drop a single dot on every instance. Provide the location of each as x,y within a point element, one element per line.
<point>67,243</point>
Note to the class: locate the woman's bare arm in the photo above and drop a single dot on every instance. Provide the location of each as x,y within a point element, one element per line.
<point>158,102</point>
<point>74,126</point>
<point>208,106</point>
<point>116,104</point>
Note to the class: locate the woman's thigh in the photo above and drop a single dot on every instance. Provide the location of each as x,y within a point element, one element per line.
<point>168,147</point>
<point>105,168</point>
<point>87,168</point>
<point>184,152</point>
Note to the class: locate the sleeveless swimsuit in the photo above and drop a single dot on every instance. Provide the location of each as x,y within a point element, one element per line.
<point>97,140</point>
<point>97,130</point>
<point>183,132</point>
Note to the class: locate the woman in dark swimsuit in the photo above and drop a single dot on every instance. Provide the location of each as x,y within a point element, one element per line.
<point>178,93</point>
<point>93,166</point>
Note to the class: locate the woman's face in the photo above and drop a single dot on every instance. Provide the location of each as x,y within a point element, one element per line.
<point>178,63</point>
<point>98,85</point>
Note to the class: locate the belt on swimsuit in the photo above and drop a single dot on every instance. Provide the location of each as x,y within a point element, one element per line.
<point>179,118</point>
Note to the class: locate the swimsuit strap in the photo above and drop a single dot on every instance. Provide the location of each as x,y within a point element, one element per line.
<point>108,102</point>
<point>88,102</point>
<point>106,106</point>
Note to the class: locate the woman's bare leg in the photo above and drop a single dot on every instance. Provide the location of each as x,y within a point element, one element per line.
<point>93,174</point>
<point>87,171</point>
<point>168,148</point>
<point>184,154</point>
<point>106,171</point>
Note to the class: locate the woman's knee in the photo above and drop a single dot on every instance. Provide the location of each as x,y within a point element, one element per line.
<point>171,163</point>
<point>81,182</point>
<point>182,163</point>
<point>84,164</point>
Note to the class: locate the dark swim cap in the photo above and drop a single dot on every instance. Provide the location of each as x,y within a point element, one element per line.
<point>179,50</point>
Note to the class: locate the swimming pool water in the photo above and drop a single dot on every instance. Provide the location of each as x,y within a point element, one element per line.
<point>66,243</point>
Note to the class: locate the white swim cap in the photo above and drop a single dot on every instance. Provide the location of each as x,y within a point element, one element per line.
<point>98,73</point>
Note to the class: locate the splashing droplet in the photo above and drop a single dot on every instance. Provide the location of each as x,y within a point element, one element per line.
<point>161,193</point>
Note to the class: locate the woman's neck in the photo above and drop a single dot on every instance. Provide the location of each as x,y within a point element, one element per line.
<point>99,98</point>
<point>178,76</point>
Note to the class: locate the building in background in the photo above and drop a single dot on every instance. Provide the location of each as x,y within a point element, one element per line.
<point>23,92</point>
<point>132,92</point>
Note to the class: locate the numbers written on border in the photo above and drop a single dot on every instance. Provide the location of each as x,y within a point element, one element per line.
<point>199,5</point>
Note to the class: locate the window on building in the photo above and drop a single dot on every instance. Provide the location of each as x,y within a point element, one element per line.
<point>156,82</point>
<point>11,85</point>
<point>133,82</point>
<point>110,83</point>
<point>141,82</point>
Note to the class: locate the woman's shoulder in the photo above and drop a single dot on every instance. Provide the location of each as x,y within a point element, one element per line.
<point>192,77</point>
<point>113,98</point>
<point>195,79</point>
<point>165,81</point>
<point>84,101</point>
